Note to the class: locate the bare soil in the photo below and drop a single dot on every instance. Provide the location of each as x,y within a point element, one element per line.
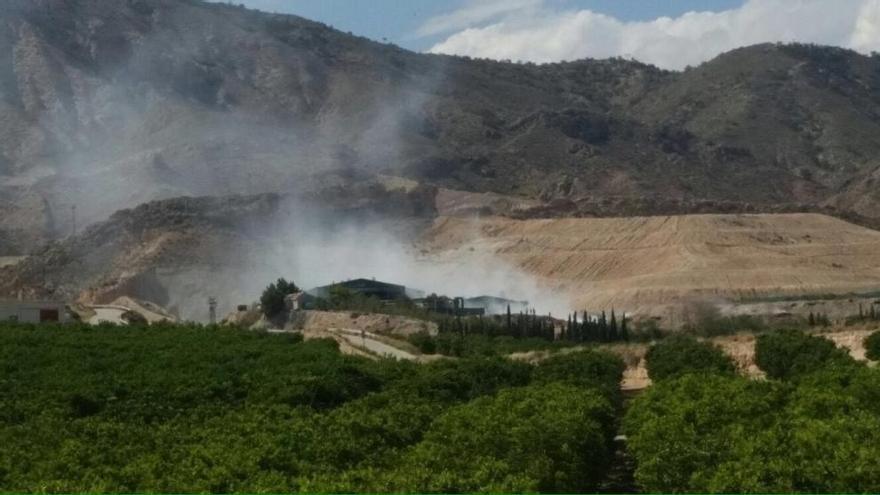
<point>741,348</point>
<point>383,325</point>
<point>655,265</point>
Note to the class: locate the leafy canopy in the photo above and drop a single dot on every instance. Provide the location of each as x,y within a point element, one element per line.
<point>272,299</point>
<point>787,354</point>
<point>548,438</point>
<point>678,355</point>
<point>872,346</point>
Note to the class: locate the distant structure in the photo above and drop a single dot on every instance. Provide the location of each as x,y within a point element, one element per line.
<point>33,312</point>
<point>299,301</point>
<point>212,310</point>
<point>496,305</point>
<point>456,306</point>
<point>383,291</point>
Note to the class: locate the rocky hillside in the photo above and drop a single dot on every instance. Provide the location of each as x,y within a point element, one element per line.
<point>105,105</point>
<point>178,252</point>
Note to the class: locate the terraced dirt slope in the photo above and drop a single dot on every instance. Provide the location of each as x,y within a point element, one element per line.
<point>652,265</point>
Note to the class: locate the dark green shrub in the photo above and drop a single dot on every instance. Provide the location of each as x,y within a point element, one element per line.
<point>134,318</point>
<point>423,342</point>
<point>679,430</point>
<point>717,434</point>
<point>464,379</point>
<point>272,299</point>
<point>182,408</point>
<point>647,330</point>
<point>678,355</point>
<point>548,438</point>
<point>787,354</point>
<point>872,346</point>
<point>589,368</point>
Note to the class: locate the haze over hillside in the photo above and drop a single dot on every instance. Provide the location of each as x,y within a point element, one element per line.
<point>651,265</point>
<point>110,104</point>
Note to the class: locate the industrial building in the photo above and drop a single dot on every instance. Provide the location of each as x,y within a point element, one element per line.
<point>299,301</point>
<point>33,311</point>
<point>370,288</point>
<point>496,305</point>
<point>448,306</point>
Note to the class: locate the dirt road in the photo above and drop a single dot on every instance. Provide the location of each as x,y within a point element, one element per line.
<point>10,260</point>
<point>370,342</point>
<point>354,342</point>
<point>108,314</point>
<point>112,313</point>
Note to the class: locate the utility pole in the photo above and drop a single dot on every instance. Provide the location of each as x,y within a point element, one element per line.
<point>212,309</point>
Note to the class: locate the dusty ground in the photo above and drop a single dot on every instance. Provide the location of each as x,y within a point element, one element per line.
<point>836,308</point>
<point>10,260</point>
<point>653,265</point>
<point>450,202</point>
<point>740,347</point>
<point>152,312</point>
<point>382,325</point>
<point>113,313</point>
<point>361,334</point>
<point>367,344</point>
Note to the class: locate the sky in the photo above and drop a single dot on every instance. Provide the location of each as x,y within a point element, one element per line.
<point>669,33</point>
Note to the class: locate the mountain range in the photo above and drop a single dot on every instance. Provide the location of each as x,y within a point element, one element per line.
<point>107,105</point>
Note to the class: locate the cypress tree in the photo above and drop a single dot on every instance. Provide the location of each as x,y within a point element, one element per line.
<point>520,326</point>
<point>812,320</point>
<point>612,328</point>
<point>589,333</point>
<point>508,319</point>
<point>536,323</point>
<point>624,331</point>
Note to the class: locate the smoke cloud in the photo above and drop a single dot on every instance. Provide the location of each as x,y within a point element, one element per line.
<point>322,249</point>
<point>181,109</point>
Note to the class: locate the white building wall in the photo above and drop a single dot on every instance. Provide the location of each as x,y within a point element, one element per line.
<point>26,312</point>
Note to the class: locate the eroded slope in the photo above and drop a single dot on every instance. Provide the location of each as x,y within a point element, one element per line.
<point>649,264</point>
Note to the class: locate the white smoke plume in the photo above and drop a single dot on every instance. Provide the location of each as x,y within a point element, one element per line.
<point>330,250</point>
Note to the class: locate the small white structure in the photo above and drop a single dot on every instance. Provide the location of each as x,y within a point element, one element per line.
<point>295,301</point>
<point>33,311</point>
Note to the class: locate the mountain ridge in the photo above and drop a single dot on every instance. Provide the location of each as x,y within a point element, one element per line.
<point>112,105</point>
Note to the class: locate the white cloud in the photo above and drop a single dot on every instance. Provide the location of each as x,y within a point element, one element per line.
<point>541,33</point>
<point>475,13</point>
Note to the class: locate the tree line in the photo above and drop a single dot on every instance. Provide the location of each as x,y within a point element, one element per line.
<point>185,408</point>
<point>530,325</point>
<point>596,329</point>
<point>812,426</point>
